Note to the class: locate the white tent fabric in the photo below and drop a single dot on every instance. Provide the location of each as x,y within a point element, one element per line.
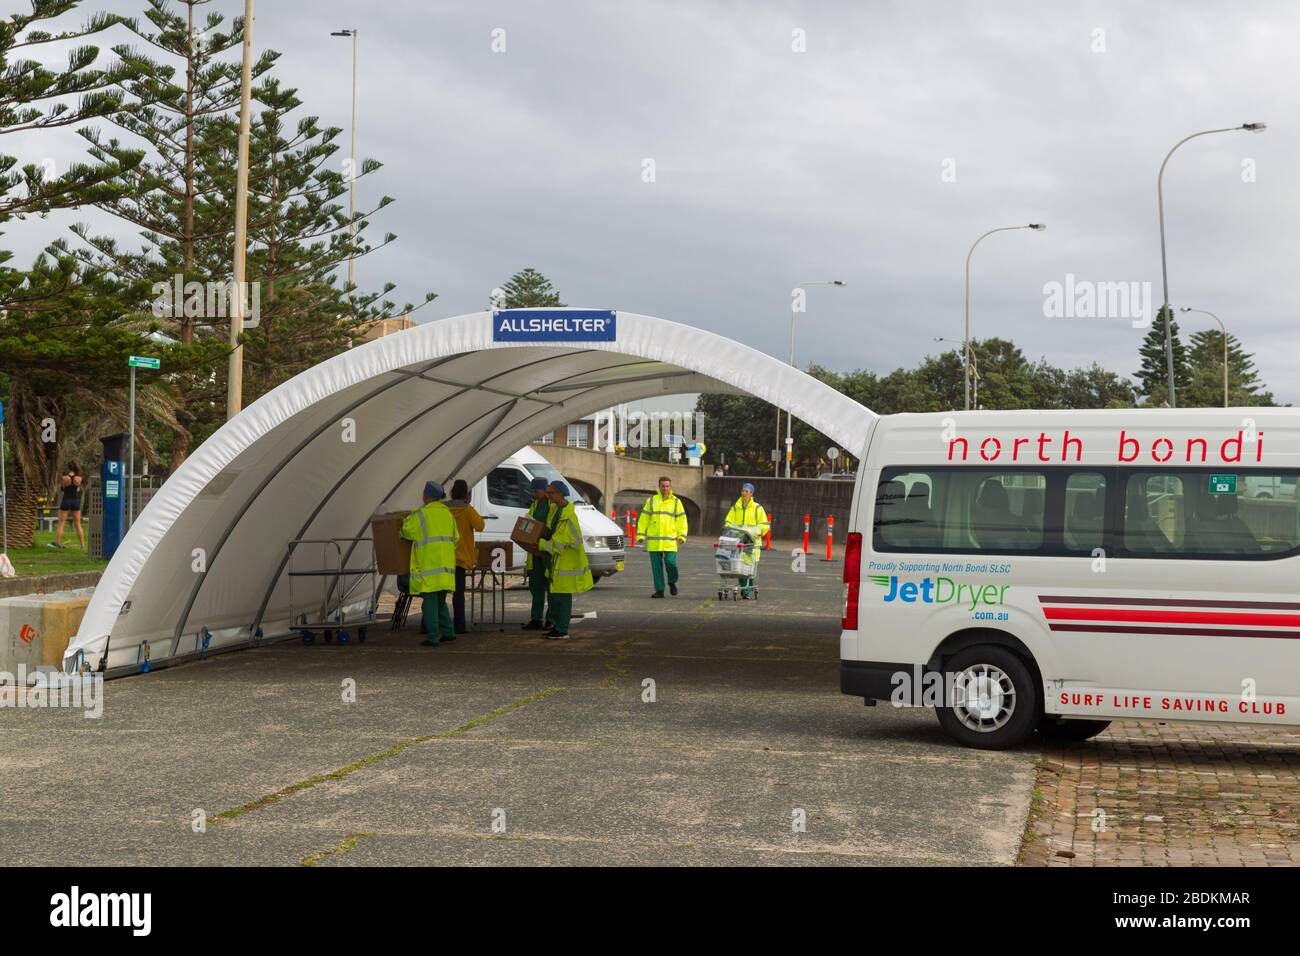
<point>203,567</point>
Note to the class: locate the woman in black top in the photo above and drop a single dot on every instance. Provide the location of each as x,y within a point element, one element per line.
<point>72,481</point>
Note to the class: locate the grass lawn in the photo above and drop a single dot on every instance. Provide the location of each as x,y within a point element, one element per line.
<point>46,560</point>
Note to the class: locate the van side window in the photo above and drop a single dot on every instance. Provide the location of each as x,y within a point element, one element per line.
<point>1186,513</point>
<point>509,487</point>
<point>1084,528</point>
<point>964,509</point>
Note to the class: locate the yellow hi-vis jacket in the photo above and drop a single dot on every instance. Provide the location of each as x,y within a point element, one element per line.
<point>569,572</point>
<point>540,510</point>
<point>661,522</point>
<point>433,536</point>
<point>752,519</point>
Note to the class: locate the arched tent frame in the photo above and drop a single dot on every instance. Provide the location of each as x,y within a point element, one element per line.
<point>203,567</point>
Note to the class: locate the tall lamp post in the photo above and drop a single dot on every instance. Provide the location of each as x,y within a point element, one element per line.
<point>1164,267</point>
<point>789,421</point>
<point>1037,227</point>
<point>235,376</point>
<point>1223,329</point>
<point>352,185</point>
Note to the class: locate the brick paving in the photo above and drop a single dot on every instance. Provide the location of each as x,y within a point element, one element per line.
<point>1146,793</point>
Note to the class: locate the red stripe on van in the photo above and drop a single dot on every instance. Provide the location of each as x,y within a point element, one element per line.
<point>1169,617</point>
<point>1179,631</point>
<point>1166,602</point>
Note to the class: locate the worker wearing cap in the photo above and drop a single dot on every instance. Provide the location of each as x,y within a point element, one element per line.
<point>537,565</point>
<point>748,515</point>
<point>433,536</point>
<point>662,526</point>
<point>569,572</point>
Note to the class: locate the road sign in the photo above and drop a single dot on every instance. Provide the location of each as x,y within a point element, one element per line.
<point>144,361</point>
<point>832,453</point>
<point>1223,484</point>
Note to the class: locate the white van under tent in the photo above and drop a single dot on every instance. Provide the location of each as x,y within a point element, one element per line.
<point>203,568</point>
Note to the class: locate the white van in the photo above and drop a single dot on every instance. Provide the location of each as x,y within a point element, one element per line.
<point>504,495</point>
<point>1056,570</point>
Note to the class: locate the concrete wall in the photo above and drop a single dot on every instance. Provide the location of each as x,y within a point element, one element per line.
<point>48,583</point>
<point>787,500</point>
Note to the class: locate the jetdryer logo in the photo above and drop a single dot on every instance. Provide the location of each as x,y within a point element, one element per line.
<point>942,590</point>
<point>554,325</point>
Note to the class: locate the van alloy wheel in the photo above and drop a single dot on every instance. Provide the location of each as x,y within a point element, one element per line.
<point>985,698</point>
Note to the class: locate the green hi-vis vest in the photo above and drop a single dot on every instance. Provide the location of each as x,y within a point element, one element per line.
<point>433,536</point>
<point>540,510</point>
<point>569,572</point>
<point>661,522</point>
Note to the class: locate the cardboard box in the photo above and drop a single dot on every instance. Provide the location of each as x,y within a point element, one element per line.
<point>392,551</point>
<point>488,549</point>
<point>527,533</point>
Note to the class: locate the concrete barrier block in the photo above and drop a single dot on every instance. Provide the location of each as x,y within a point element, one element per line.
<point>35,629</point>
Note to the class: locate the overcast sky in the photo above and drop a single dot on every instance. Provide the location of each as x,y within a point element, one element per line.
<point>774,167</point>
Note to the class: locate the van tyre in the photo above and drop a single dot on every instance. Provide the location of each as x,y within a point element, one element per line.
<point>1000,707</point>
<point>1071,731</point>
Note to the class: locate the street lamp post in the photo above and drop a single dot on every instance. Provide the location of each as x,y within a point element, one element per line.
<point>352,184</point>
<point>789,420</point>
<point>1164,266</point>
<point>1223,329</point>
<point>235,374</point>
<point>1037,227</point>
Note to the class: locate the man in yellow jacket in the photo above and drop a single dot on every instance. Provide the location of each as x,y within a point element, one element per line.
<point>433,536</point>
<point>539,618</point>
<point>568,571</point>
<point>748,515</point>
<point>468,520</point>
<point>662,526</point>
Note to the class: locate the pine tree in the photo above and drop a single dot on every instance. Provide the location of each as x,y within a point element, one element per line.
<point>529,289</point>
<point>42,369</point>
<point>1153,376</point>
<point>1206,388</point>
<point>182,200</point>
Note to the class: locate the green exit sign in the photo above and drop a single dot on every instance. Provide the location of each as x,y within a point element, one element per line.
<point>1223,484</point>
<point>144,361</point>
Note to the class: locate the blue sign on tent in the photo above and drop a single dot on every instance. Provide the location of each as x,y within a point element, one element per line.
<point>554,325</point>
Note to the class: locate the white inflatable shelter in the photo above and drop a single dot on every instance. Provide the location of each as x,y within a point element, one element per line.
<point>203,568</point>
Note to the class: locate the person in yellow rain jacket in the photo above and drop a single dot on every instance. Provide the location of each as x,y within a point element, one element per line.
<point>748,515</point>
<point>433,536</point>
<point>662,525</point>
<point>537,565</point>
<point>568,572</point>
<point>468,520</point>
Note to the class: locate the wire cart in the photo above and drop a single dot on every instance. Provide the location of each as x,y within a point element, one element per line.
<point>324,609</point>
<point>735,556</point>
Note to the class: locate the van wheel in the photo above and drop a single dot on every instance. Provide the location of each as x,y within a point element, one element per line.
<point>1071,731</point>
<point>996,703</point>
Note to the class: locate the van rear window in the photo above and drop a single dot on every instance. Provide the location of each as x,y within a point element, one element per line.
<point>1126,512</point>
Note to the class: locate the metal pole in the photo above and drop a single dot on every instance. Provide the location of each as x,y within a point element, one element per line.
<point>130,457</point>
<point>1164,265</point>
<point>4,492</point>
<point>352,191</point>
<point>966,352</point>
<point>789,417</point>
<point>235,383</point>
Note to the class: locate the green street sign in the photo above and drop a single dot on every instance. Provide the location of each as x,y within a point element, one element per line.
<point>144,361</point>
<point>1223,484</point>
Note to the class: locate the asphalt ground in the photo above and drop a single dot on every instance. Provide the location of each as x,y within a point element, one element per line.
<point>504,748</point>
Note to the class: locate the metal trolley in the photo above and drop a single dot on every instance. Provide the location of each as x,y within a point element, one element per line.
<point>323,611</point>
<point>735,556</point>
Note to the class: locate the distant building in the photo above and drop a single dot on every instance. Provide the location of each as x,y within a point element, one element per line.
<point>381,327</point>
